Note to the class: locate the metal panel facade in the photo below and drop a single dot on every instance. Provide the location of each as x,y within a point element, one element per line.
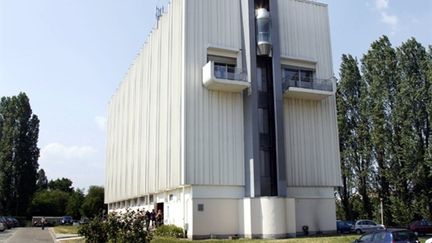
<point>311,136</point>
<point>144,118</point>
<point>213,120</point>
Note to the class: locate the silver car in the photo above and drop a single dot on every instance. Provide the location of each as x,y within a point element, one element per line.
<point>366,226</point>
<point>2,227</point>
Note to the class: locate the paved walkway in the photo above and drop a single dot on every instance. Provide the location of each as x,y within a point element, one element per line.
<point>30,235</point>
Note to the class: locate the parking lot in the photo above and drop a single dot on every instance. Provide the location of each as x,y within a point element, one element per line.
<point>6,234</point>
<point>27,235</point>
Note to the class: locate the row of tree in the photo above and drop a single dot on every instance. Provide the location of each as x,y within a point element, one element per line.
<point>58,198</point>
<point>25,191</point>
<point>384,118</point>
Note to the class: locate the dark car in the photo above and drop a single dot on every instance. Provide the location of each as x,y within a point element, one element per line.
<point>389,236</point>
<point>343,226</point>
<point>421,227</point>
<point>8,223</point>
<point>66,220</point>
<point>14,221</point>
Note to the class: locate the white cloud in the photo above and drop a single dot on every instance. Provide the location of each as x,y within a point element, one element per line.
<point>391,20</point>
<point>381,4</point>
<point>62,152</point>
<point>101,122</point>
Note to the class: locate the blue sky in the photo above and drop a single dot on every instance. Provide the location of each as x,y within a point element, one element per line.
<point>70,55</point>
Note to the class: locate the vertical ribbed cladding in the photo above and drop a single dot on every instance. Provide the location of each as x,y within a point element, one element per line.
<point>213,119</point>
<point>311,136</point>
<point>145,116</point>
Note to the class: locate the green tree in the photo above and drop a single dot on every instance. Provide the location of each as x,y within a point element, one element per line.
<point>63,184</point>
<point>42,180</point>
<point>18,154</point>
<point>93,204</point>
<point>74,203</point>
<point>379,71</point>
<point>348,100</point>
<point>52,203</point>
<point>411,126</point>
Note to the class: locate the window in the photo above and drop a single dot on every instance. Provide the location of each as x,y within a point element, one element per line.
<point>224,67</point>
<point>200,207</point>
<point>367,237</point>
<point>380,236</point>
<point>297,75</point>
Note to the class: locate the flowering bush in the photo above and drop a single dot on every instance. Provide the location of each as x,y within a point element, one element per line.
<point>117,227</point>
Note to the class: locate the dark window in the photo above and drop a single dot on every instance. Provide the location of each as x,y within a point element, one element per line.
<point>404,236</point>
<point>200,207</point>
<point>297,75</point>
<point>367,237</point>
<point>380,236</point>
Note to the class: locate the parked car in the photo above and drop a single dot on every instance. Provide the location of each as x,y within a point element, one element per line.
<point>84,220</point>
<point>365,226</point>
<point>389,236</point>
<point>6,222</point>
<point>421,227</point>
<point>2,227</point>
<point>14,221</point>
<point>66,220</point>
<point>343,226</point>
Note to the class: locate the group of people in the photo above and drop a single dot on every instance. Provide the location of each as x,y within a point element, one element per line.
<point>153,218</point>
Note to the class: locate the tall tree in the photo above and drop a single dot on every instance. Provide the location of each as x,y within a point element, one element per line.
<point>93,204</point>
<point>411,128</point>
<point>379,71</point>
<point>42,180</point>
<point>353,136</point>
<point>18,154</point>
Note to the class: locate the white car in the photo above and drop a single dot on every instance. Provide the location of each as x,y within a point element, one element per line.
<point>366,226</point>
<point>2,227</point>
<point>429,240</point>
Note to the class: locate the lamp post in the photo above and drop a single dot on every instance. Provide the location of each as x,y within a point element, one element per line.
<point>382,211</point>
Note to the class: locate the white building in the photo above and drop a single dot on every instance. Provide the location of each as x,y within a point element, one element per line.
<point>226,120</point>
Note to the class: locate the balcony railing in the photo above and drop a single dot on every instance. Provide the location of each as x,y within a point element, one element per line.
<point>315,89</point>
<point>224,77</point>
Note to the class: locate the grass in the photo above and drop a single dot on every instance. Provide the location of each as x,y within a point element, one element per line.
<point>66,229</point>
<point>327,239</point>
<point>334,239</point>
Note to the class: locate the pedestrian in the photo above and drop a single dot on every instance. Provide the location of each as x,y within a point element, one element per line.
<point>43,221</point>
<point>153,218</point>
<point>147,219</point>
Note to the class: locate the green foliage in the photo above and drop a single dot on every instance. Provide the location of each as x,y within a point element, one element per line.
<point>169,231</point>
<point>73,206</point>
<point>52,203</point>
<point>384,122</point>
<point>63,184</point>
<point>42,180</point>
<point>95,231</point>
<point>126,227</point>
<point>19,131</point>
<point>94,202</point>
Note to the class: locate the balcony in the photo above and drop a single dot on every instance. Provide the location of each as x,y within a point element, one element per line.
<point>224,77</point>
<point>314,89</point>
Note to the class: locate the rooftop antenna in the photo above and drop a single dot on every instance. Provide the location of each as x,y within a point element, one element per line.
<point>159,12</point>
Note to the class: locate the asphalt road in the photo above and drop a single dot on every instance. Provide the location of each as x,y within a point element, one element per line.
<point>27,235</point>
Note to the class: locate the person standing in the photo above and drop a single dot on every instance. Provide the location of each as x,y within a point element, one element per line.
<point>43,222</point>
<point>153,218</point>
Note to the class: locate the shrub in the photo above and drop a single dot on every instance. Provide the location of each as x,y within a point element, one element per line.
<point>125,227</point>
<point>169,231</point>
<point>95,231</point>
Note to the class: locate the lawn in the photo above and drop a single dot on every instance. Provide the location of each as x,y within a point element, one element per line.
<point>334,239</point>
<point>329,239</point>
<point>66,229</point>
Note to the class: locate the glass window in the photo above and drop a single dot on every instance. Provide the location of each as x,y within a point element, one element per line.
<point>380,236</point>
<point>306,76</point>
<point>367,237</point>
<point>263,120</point>
<point>261,78</point>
